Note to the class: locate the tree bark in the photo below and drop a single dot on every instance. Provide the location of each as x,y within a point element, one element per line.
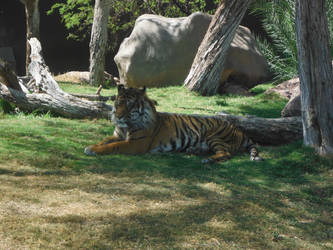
<point>316,75</point>
<point>32,23</point>
<point>67,106</point>
<point>272,131</point>
<point>8,77</point>
<point>206,71</point>
<point>91,97</point>
<point>47,94</point>
<point>98,42</point>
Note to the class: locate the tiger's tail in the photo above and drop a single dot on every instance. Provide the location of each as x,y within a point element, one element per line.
<point>252,149</point>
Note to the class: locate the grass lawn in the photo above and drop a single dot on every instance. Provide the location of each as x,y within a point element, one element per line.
<point>52,196</point>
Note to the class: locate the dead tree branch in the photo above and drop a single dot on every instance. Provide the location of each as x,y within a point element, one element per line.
<point>48,96</point>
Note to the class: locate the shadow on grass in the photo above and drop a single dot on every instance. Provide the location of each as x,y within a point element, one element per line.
<point>255,208</point>
<point>264,105</point>
<point>261,199</point>
<point>262,194</point>
<point>273,112</point>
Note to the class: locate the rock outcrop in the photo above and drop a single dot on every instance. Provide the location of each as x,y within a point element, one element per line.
<point>160,51</point>
<point>290,90</point>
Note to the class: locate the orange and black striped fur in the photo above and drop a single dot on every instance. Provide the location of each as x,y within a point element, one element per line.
<point>139,128</point>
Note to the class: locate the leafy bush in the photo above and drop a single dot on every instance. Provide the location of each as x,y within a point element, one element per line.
<point>279,22</point>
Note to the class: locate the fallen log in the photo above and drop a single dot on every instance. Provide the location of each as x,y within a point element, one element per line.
<point>48,96</point>
<point>97,96</point>
<point>70,107</point>
<point>268,131</point>
<point>92,97</point>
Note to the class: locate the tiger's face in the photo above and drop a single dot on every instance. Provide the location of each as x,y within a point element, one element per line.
<point>132,109</point>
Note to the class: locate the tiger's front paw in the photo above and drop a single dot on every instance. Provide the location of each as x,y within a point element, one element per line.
<point>256,158</point>
<point>88,151</point>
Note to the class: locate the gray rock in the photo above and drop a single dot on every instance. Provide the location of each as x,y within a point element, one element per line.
<point>160,51</point>
<point>293,107</point>
<point>287,89</point>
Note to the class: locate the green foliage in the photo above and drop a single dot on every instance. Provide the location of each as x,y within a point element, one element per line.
<point>6,107</point>
<point>279,22</point>
<point>77,15</point>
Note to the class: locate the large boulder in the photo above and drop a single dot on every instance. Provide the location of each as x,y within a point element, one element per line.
<point>160,51</point>
<point>293,107</point>
<point>290,90</point>
<point>287,89</point>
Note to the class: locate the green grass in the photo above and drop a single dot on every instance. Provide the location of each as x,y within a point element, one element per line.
<point>52,196</point>
<point>178,99</point>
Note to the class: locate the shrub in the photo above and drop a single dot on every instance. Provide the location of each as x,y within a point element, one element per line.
<point>77,15</point>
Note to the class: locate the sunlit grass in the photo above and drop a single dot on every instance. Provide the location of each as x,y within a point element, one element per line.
<point>52,196</point>
<point>178,99</point>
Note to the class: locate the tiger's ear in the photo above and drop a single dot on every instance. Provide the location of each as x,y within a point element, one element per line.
<point>121,87</point>
<point>143,89</point>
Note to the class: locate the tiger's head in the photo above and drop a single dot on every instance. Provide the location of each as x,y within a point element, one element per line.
<point>133,109</point>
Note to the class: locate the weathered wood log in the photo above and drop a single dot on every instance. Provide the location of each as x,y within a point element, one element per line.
<point>97,96</point>
<point>92,97</point>
<point>48,96</point>
<point>71,107</point>
<point>273,131</point>
<point>38,69</point>
<point>32,24</point>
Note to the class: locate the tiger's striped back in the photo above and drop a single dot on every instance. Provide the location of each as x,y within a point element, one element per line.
<point>199,134</point>
<point>194,131</point>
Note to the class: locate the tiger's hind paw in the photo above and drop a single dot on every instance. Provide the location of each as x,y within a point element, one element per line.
<point>207,161</point>
<point>89,152</point>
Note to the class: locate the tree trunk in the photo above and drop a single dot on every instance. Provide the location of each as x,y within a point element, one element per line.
<point>98,42</point>
<point>47,94</point>
<point>207,67</point>
<point>8,77</point>
<point>316,75</point>
<point>32,23</point>
<point>268,131</point>
<point>66,106</point>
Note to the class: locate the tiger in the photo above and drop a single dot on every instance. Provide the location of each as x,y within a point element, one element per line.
<point>140,129</point>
